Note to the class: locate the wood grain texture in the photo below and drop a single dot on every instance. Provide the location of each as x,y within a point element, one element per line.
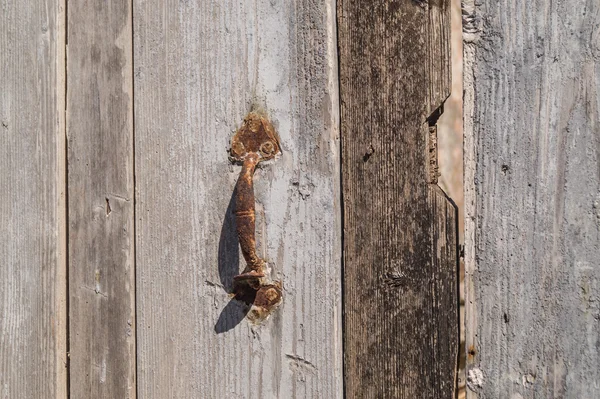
<point>532,141</point>
<point>32,272</point>
<point>100,201</point>
<point>200,67</point>
<point>400,260</point>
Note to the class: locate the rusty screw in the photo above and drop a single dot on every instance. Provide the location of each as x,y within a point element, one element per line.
<point>268,296</point>
<point>271,294</point>
<point>267,148</point>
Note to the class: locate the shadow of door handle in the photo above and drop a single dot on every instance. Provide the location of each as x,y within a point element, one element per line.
<point>255,142</point>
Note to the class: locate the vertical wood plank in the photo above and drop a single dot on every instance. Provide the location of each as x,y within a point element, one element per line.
<point>532,149</point>
<point>200,66</point>
<point>32,211</point>
<point>101,200</point>
<point>400,260</point>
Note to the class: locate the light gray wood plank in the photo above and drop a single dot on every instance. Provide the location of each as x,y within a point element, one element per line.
<point>532,141</point>
<point>32,212</point>
<point>200,66</point>
<point>101,200</point>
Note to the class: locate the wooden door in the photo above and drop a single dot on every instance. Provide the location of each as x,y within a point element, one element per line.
<point>118,201</point>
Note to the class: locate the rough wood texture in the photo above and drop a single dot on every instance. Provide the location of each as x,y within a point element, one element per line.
<point>32,271</point>
<point>199,67</point>
<point>400,260</point>
<point>101,205</point>
<point>532,150</point>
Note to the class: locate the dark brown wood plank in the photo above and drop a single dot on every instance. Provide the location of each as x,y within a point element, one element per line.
<point>100,185</point>
<point>400,260</point>
<point>32,209</point>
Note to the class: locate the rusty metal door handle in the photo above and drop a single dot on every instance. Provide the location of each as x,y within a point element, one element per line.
<point>255,142</point>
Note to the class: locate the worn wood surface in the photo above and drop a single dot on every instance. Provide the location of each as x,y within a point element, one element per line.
<point>200,67</point>
<point>101,200</point>
<point>400,260</point>
<point>32,248</point>
<point>532,149</point>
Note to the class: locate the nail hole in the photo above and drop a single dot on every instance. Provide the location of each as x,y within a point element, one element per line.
<point>370,151</point>
<point>472,351</point>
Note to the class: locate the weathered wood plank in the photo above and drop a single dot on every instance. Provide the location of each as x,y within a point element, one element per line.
<point>100,184</point>
<point>199,68</point>
<point>439,56</point>
<point>400,261</point>
<point>32,209</point>
<point>532,149</point>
